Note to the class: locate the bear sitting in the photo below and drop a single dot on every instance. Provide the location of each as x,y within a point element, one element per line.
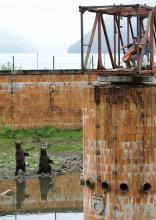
<point>20,157</point>
<point>44,162</point>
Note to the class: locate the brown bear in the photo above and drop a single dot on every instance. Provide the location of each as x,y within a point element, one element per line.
<point>20,157</point>
<point>44,162</point>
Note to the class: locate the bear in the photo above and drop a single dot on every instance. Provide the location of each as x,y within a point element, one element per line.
<point>20,155</point>
<point>44,161</point>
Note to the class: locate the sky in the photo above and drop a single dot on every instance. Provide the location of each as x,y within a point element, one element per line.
<point>50,25</point>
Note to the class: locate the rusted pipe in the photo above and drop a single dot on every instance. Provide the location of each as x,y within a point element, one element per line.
<point>124,187</point>
<point>105,186</point>
<point>90,183</point>
<point>146,187</point>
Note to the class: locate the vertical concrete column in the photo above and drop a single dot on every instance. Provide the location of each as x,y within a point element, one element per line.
<point>120,152</point>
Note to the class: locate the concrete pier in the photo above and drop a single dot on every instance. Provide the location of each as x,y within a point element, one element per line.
<point>120,152</point>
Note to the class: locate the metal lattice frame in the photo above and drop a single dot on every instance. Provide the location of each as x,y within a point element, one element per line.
<point>141,12</point>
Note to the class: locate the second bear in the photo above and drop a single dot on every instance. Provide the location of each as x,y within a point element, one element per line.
<point>44,162</point>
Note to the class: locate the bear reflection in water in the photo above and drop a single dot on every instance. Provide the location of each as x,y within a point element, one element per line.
<point>46,184</point>
<point>20,192</point>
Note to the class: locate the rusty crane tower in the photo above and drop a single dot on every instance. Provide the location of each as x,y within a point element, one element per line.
<point>140,22</point>
<point>119,119</point>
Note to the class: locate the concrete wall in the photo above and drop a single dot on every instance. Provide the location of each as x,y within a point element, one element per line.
<point>34,98</point>
<point>120,147</point>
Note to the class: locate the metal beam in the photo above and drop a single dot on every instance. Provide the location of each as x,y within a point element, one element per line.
<point>115,32</point>
<point>100,66</point>
<point>155,29</point>
<point>138,38</point>
<point>145,40</point>
<point>128,24</point>
<point>152,43</point>
<point>119,39</point>
<point>107,41</point>
<point>91,41</point>
<point>131,28</point>
<point>82,41</point>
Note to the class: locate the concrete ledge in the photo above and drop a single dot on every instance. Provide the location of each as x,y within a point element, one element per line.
<point>127,79</point>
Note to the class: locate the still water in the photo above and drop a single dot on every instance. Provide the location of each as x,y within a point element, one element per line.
<point>51,198</point>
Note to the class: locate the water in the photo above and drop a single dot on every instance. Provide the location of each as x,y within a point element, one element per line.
<point>54,198</point>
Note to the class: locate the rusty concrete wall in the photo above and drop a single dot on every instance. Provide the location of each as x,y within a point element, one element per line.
<point>35,98</point>
<point>56,193</point>
<point>120,147</point>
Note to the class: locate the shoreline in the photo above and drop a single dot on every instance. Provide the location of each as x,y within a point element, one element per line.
<point>63,163</point>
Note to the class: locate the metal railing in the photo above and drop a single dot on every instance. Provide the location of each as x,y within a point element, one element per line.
<point>39,61</point>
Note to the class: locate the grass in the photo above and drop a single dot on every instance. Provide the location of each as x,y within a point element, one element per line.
<point>57,140</point>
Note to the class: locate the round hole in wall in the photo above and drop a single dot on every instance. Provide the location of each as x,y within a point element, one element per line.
<point>146,187</point>
<point>124,187</point>
<point>90,183</point>
<point>105,185</point>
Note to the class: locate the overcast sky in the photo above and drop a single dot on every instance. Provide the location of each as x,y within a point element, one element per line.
<point>51,25</point>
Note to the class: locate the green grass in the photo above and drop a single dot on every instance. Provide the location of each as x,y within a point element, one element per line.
<point>57,140</point>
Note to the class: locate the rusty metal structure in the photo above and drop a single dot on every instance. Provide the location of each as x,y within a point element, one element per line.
<point>140,22</point>
<point>119,121</point>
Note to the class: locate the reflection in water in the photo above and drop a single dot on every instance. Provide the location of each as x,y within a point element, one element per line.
<point>45,183</point>
<point>55,198</point>
<point>51,216</point>
<point>20,192</point>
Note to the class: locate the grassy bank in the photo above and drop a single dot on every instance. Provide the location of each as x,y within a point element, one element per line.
<point>58,141</point>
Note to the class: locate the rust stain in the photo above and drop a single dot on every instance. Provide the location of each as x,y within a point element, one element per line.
<point>125,140</point>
